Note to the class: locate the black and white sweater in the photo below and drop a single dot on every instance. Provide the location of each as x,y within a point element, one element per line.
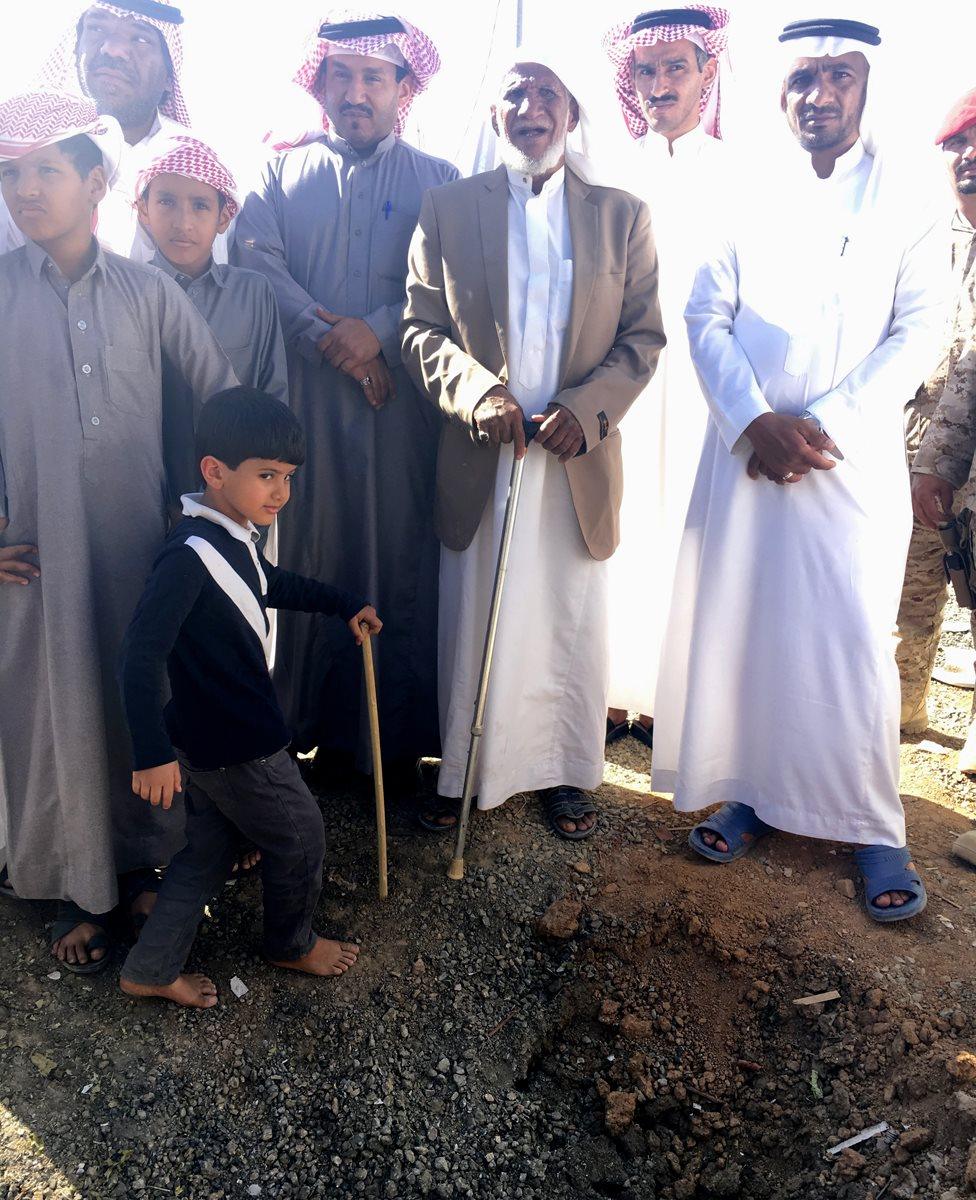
<point>202,619</point>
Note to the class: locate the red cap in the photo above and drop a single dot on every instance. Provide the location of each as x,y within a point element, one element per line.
<point>960,117</point>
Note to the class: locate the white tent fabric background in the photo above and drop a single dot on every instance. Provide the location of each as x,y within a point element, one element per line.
<point>240,58</point>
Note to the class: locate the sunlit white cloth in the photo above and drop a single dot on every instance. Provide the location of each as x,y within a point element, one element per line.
<point>778,686</point>
<point>662,433</point>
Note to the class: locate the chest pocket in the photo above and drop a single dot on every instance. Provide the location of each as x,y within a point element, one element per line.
<point>390,244</point>
<point>133,384</point>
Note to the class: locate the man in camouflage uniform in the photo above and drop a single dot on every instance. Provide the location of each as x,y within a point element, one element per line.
<point>941,432</point>
<point>924,595</point>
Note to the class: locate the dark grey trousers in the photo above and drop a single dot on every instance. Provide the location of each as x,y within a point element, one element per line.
<point>267,801</point>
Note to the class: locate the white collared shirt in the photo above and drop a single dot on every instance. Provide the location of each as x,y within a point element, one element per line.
<point>540,287</point>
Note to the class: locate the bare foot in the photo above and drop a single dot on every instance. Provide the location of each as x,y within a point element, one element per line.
<point>73,947</point>
<point>325,958</point>
<point>892,899</point>
<point>192,991</point>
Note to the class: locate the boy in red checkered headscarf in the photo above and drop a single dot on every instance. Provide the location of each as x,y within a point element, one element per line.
<point>186,198</point>
<point>83,479</point>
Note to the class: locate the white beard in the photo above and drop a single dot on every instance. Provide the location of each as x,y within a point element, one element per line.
<point>515,160</point>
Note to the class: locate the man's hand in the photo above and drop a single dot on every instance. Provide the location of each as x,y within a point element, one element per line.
<point>376,380</point>
<point>559,432</point>
<point>158,785</point>
<point>499,419</point>
<point>788,446</point>
<point>931,500</point>
<point>349,343</point>
<point>366,616</point>
<point>15,567</point>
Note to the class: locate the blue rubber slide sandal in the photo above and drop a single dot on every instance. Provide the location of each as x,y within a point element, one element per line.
<point>730,822</point>
<point>890,869</point>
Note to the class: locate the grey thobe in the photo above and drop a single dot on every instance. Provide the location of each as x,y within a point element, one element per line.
<point>332,229</point>
<point>81,453</point>
<point>240,309</point>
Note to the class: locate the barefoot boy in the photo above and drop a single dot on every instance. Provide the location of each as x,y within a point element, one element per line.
<point>82,513</point>
<point>203,618</point>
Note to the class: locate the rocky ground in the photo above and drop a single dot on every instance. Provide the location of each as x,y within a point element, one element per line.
<point>612,1020</point>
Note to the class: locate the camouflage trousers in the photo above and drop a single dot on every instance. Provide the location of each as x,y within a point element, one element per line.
<point>923,600</point>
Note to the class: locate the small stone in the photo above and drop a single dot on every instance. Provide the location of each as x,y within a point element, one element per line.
<point>44,1064</point>
<point>620,1110</point>
<point>419,967</point>
<point>909,1033</point>
<point>609,1013</point>
<point>966,1104</point>
<point>444,1066</point>
<point>970,1174</point>
<point>914,1140</point>
<point>561,920</point>
<point>962,1067</point>
<point>254,1189</point>
<point>846,887</point>
<point>849,1165</point>
<point>636,1028</point>
<point>582,867</point>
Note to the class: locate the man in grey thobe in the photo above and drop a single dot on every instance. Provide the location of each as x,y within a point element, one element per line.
<point>82,478</point>
<point>330,227</point>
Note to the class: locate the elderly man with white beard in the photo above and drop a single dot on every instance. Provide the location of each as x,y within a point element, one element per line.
<point>531,297</point>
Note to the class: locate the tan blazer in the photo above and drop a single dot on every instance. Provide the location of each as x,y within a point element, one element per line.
<point>455,344</point>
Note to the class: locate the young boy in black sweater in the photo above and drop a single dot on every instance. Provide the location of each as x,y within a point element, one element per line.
<point>202,619</point>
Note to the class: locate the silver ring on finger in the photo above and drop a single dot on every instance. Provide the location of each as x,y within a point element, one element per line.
<point>483,437</point>
<point>790,475</point>
<point>366,381</point>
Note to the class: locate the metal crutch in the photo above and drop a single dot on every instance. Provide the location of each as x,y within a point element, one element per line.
<point>456,869</point>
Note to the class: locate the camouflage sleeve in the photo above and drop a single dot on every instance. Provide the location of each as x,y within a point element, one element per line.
<point>949,443</point>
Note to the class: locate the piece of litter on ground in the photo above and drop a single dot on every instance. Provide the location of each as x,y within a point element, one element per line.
<point>86,1089</point>
<point>863,1136</point>
<point>930,747</point>
<point>239,988</point>
<point>946,922</point>
<point>815,1084</point>
<point>819,998</point>
<point>55,975</point>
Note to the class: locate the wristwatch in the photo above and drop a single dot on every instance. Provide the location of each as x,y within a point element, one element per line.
<point>807,415</point>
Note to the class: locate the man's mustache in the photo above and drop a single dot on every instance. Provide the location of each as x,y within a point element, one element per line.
<point>667,98</point>
<point>104,62</point>
<point>364,109</point>
<point>806,113</point>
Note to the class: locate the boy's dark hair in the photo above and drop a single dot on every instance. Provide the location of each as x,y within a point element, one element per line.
<point>243,422</point>
<point>83,152</point>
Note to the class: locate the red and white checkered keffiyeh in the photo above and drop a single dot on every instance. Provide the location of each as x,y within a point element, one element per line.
<point>419,53</point>
<point>34,119</point>
<point>61,70</point>
<point>960,117</point>
<point>192,159</point>
<point>619,44</point>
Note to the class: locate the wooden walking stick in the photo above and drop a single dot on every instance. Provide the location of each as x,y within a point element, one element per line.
<point>374,737</point>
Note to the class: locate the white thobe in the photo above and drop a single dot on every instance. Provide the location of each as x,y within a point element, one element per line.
<point>778,686</point>
<point>116,223</point>
<point>544,722</point>
<point>662,433</point>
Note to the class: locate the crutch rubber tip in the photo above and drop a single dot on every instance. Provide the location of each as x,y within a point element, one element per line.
<point>456,869</point>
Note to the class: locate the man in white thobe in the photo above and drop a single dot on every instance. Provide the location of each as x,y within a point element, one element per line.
<point>127,56</point>
<point>778,692</point>
<point>532,296</point>
<point>666,74</point>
